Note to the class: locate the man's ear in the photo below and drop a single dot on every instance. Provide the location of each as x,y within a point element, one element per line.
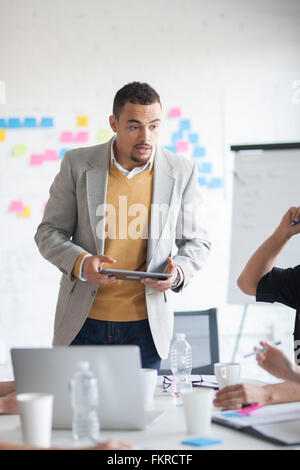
<point>113,123</point>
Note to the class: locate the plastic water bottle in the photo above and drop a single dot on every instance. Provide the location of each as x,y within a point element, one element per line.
<point>181,365</point>
<point>84,401</point>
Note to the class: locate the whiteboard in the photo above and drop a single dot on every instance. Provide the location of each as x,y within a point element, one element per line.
<point>266,184</point>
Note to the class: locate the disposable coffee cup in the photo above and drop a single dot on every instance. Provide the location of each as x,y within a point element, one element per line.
<point>148,378</point>
<point>227,373</point>
<point>197,411</point>
<point>36,411</point>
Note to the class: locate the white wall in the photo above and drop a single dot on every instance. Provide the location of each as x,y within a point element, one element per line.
<point>229,64</point>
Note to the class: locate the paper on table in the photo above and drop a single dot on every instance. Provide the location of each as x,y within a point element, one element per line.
<point>286,431</point>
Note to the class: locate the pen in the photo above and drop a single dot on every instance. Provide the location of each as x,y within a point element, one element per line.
<point>296,222</point>
<point>258,351</point>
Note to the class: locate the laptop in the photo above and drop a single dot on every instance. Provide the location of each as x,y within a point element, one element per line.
<point>49,370</point>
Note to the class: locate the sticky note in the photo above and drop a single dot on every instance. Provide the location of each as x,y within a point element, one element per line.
<point>176,136</point>
<point>16,206</point>
<point>2,135</point>
<point>199,152</point>
<point>202,181</point>
<point>201,442</point>
<point>184,124</point>
<point>215,183</point>
<point>62,153</point>
<point>50,155</point>
<point>47,122</point>
<point>104,135</point>
<point>247,410</point>
<point>205,167</point>
<point>14,123</point>
<point>193,138</point>
<point>44,205</point>
<point>174,112</point>
<point>30,122</point>
<point>230,414</point>
<point>19,149</point>
<point>66,136</point>
<point>82,137</point>
<point>26,212</point>
<point>182,146</point>
<point>171,148</point>
<point>36,159</point>
<point>2,123</point>
<point>82,120</point>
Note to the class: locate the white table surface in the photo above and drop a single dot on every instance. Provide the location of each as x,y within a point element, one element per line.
<point>166,433</point>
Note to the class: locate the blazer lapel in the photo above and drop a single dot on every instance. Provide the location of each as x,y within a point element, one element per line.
<point>163,187</point>
<point>97,177</point>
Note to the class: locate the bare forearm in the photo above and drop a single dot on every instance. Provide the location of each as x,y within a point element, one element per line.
<point>283,392</point>
<point>6,388</point>
<point>262,261</point>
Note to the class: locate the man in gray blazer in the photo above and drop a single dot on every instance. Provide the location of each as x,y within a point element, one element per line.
<point>73,236</point>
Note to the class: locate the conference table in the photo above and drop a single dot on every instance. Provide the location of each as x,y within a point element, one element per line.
<point>166,433</point>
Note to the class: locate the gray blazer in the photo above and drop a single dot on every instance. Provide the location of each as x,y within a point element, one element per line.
<point>70,226</point>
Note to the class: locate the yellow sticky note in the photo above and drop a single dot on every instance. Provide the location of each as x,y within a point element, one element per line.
<point>82,121</point>
<point>26,212</point>
<point>104,135</point>
<point>19,150</point>
<point>2,135</point>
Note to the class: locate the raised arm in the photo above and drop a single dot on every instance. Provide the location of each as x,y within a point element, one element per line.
<point>263,260</point>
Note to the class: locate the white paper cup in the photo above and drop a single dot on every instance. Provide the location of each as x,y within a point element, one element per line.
<point>227,373</point>
<point>36,418</point>
<point>148,381</point>
<point>197,411</point>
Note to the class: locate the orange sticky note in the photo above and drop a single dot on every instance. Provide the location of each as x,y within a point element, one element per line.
<point>2,135</point>
<point>26,212</point>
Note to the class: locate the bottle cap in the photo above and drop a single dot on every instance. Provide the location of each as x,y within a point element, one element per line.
<point>180,335</point>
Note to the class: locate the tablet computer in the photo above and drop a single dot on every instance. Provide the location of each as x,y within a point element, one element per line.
<point>134,275</point>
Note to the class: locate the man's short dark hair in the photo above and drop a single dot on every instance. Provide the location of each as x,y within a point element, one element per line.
<point>136,93</point>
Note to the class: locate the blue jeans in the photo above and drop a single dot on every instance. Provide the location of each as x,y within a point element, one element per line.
<point>131,332</point>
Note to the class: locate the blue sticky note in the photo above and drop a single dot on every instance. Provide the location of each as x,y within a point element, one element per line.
<point>47,122</point>
<point>62,153</point>
<point>172,148</point>
<point>202,181</point>
<point>201,442</point>
<point>2,123</point>
<point>29,122</point>
<point>14,123</point>
<point>184,124</point>
<point>193,138</point>
<point>199,152</point>
<point>231,414</point>
<point>215,183</point>
<point>205,167</point>
<point>176,136</point>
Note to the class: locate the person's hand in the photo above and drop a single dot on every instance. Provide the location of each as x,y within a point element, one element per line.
<point>112,444</point>
<point>91,267</point>
<point>292,215</point>
<point>162,286</point>
<point>8,404</point>
<point>275,362</point>
<point>233,397</point>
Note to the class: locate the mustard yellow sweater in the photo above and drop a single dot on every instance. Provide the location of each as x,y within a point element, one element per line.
<point>128,205</point>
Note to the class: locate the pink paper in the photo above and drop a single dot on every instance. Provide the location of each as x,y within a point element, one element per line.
<point>66,136</point>
<point>50,155</point>
<point>36,160</point>
<point>182,146</point>
<point>249,409</point>
<point>175,112</point>
<point>16,206</point>
<point>81,137</point>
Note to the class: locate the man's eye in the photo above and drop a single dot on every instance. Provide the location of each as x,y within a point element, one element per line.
<point>133,128</point>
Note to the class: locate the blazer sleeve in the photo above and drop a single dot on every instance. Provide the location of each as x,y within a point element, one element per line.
<point>53,235</point>
<point>191,235</point>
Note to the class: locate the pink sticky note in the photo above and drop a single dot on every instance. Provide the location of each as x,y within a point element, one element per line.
<point>44,205</point>
<point>175,112</point>
<point>81,137</point>
<point>182,146</point>
<point>249,409</point>
<point>16,206</point>
<point>36,159</point>
<point>66,136</point>
<point>50,155</point>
